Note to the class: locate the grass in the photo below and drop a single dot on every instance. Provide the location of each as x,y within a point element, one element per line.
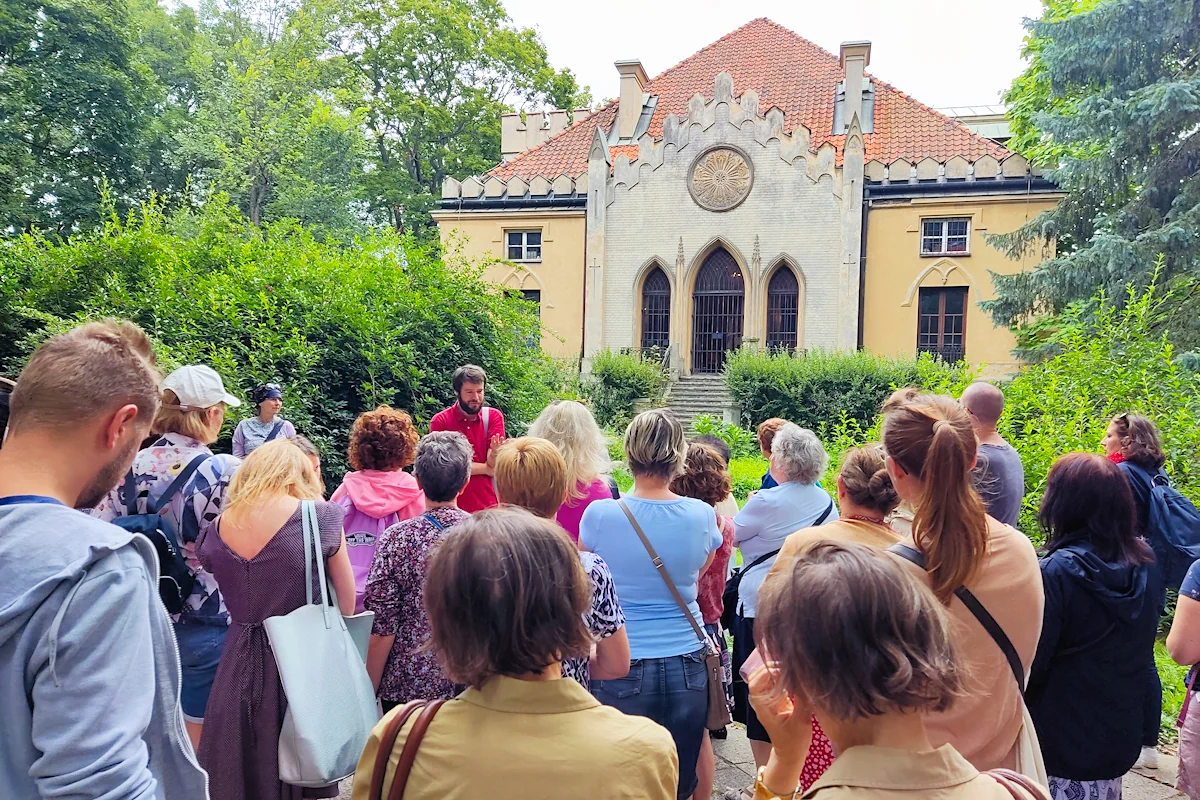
<point>1172,676</point>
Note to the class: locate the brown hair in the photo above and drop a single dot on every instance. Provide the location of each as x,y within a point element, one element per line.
<point>92,369</point>
<point>532,474</point>
<point>1088,499</point>
<point>1140,440</point>
<point>655,445</point>
<point>505,595</point>
<point>705,476</point>
<point>192,423</point>
<point>854,633</point>
<point>930,437</point>
<point>865,476</point>
<point>766,432</point>
<point>383,439</point>
<point>468,373</point>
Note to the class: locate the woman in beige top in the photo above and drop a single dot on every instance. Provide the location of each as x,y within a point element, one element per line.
<point>506,594</point>
<point>859,643</point>
<point>931,450</point>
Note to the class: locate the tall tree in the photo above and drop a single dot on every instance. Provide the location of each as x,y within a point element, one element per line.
<point>434,77</point>
<point>74,100</point>
<point>1120,85</point>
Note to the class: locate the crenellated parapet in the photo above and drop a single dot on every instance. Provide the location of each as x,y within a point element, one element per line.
<point>957,168</point>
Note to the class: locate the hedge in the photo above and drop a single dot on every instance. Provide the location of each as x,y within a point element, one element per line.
<point>343,329</point>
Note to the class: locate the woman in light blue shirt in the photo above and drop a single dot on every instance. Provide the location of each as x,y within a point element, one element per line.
<point>771,515</point>
<point>667,681</point>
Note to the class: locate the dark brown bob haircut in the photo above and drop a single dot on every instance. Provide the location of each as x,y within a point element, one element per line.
<point>1140,440</point>
<point>705,476</point>
<point>383,439</point>
<point>1088,499</point>
<point>857,635</point>
<point>468,373</point>
<point>505,595</point>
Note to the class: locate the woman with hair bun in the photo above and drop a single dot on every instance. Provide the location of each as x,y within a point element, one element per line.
<point>931,449</point>
<point>866,497</point>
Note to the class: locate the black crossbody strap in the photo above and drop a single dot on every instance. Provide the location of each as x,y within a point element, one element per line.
<point>979,612</point>
<point>154,506</point>
<point>662,571</point>
<point>825,516</point>
<point>762,558</point>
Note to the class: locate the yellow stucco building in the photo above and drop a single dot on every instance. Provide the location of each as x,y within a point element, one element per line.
<point>762,192</point>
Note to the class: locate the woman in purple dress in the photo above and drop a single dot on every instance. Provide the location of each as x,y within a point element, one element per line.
<point>256,553</point>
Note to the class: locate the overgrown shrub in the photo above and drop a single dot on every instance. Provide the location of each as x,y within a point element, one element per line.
<point>742,443</point>
<point>617,381</point>
<point>343,329</point>
<point>818,386</point>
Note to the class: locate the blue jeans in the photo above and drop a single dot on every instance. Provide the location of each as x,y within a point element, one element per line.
<point>671,691</point>
<point>200,648</point>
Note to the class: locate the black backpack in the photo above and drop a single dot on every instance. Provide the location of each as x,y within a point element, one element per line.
<point>1172,526</point>
<point>175,580</point>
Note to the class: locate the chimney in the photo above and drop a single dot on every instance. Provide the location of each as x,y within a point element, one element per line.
<point>855,58</point>
<point>633,82</point>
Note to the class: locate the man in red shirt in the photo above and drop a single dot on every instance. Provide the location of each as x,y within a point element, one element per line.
<point>484,429</point>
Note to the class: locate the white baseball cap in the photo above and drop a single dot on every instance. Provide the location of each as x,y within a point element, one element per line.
<point>198,386</point>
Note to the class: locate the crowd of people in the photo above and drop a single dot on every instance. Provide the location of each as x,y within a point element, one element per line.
<point>535,631</point>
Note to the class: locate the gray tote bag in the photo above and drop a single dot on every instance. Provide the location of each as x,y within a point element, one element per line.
<point>331,703</point>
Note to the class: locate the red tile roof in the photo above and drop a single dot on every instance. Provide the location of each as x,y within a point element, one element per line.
<point>787,71</point>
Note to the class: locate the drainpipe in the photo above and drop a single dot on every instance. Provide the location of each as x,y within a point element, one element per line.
<point>862,272</point>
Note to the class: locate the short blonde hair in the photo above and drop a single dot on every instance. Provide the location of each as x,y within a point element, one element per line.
<point>192,423</point>
<point>531,473</point>
<point>655,445</point>
<point>277,468</point>
<point>92,369</point>
<point>570,427</point>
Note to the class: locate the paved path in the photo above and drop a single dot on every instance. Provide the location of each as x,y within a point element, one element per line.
<point>735,770</point>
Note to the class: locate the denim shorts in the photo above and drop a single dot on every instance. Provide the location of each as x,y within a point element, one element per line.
<point>671,691</point>
<point>200,649</point>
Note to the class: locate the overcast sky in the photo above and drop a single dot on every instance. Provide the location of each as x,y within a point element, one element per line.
<point>942,52</point>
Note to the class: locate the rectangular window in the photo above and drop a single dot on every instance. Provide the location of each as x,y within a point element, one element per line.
<point>941,237</point>
<point>524,245</point>
<point>942,322</point>
<point>533,296</point>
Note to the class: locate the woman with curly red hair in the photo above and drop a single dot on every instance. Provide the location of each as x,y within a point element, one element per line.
<point>377,494</point>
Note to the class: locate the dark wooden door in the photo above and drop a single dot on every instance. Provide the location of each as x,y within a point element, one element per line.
<point>719,301</point>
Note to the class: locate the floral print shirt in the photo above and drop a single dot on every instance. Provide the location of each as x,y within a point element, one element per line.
<point>394,591</point>
<point>603,619</point>
<point>192,510</point>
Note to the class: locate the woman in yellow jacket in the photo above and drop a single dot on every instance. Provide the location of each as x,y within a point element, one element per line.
<point>854,639</point>
<point>506,594</point>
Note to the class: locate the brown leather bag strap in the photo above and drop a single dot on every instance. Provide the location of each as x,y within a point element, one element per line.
<point>666,576</point>
<point>409,754</point>
<point>1018,785</point>
<point>387,742</point>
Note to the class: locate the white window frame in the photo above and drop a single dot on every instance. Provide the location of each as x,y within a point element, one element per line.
<point>525,246</point>
<point>944,250</point>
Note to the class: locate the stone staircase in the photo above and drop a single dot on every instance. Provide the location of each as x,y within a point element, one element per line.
<point>696,395</point>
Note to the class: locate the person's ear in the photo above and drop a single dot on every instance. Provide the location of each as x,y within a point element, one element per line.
<point>841,488</point>
<point>119,426</point>
<point>895,471</point>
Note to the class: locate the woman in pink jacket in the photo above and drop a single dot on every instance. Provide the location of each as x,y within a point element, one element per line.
<point>377,494</point>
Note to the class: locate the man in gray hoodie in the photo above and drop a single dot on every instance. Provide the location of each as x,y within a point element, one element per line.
<point>89,673</point>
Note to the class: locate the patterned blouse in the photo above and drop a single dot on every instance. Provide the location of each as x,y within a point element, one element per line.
<point>711,588</point>
<point>394,592</point>
<point>603,619</point>
<point>192,510</point>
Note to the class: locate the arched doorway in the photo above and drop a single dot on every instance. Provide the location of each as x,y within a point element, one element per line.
<point>718,303</point>
<point>656,310</point>
<point>783,309</point>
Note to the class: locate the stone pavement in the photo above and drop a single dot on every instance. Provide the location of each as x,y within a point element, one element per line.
<point>735,770</point>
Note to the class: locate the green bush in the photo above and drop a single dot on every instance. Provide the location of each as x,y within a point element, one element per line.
<point>742,443</point>
<point>819,386</point>
<point>1174,690</point>
<point>617,381</point>
<point>343,329</point>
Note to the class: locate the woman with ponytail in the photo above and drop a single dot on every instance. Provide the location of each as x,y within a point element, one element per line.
<point>931,449</point>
